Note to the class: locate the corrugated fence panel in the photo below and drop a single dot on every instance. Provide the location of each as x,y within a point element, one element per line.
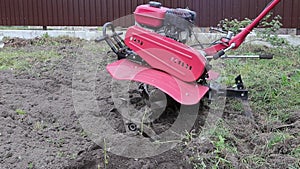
<point>2,13</point>
<point>7,10</point>
<point>295,16</point>
<point>97,12</point>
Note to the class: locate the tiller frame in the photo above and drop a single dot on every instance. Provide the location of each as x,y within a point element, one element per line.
<point>176,69</point>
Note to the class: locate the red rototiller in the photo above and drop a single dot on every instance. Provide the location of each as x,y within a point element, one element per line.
<point>154,53</point>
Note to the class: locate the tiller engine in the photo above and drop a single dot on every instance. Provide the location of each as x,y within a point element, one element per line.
<point>154,54</point>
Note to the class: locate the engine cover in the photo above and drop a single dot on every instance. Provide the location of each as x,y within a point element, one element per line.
<point>180,18</point>
<point>154,16</point>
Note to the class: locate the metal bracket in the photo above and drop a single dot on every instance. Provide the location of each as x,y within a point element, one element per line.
<point>117,44</point>
<point>238,92</point>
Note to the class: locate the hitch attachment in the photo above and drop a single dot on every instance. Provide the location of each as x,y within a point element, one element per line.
<point>117,44</point>
<point>238,91</point>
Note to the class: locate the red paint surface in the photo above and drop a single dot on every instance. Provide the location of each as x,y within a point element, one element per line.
<point>182,92</point>
<point>150,16</point>
<point>166,54</point>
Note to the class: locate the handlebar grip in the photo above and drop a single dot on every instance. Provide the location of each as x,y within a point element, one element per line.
<point>266,56</point>
<point>219,54</point>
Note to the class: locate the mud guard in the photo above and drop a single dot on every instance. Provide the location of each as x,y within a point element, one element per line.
<point>183,92</point>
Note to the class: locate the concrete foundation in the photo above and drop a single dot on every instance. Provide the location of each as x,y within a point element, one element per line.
<point>92,34</point>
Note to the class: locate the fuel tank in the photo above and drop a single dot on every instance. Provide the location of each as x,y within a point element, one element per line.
<point>150,15</point>
<point>154,16</point>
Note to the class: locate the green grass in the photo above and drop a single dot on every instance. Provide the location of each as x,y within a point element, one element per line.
<point>30,165</point>
<point>20,59</point>
<point>223,143</point>
<point>278,138</point>
<point>14,27</point>
<point>20,112</point>
<point>224,146</point>
<point>105,154</point>
<point>274,85</point>
<point>296,153</point>
<point>254,159</point>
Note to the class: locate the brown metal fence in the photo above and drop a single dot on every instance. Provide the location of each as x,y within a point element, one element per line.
<point>97,12</point>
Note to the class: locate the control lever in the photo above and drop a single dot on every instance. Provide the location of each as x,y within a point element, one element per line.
<point>222,52</point>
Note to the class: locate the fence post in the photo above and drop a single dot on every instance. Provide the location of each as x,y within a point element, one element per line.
<point>298,31</point>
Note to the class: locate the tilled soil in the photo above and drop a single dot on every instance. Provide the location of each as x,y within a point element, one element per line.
<point>49,134</point>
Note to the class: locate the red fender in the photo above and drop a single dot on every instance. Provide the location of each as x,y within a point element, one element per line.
<point>183,92</point>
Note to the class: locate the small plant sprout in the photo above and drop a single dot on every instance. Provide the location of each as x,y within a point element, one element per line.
<point>39,125</point>
<point>30,165</point>
<point>20,112</point>
<point>106,157</point>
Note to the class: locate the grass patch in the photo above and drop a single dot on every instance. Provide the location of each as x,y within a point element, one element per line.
<point>14,27</point>
<point>274,85</point>
<point>223,149</point>
<point>296,153</point>
<point>254,159</point>
<point>278,138</point>
<point>28,54</point>
<point>21,60</point>
<point>222,140</point>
